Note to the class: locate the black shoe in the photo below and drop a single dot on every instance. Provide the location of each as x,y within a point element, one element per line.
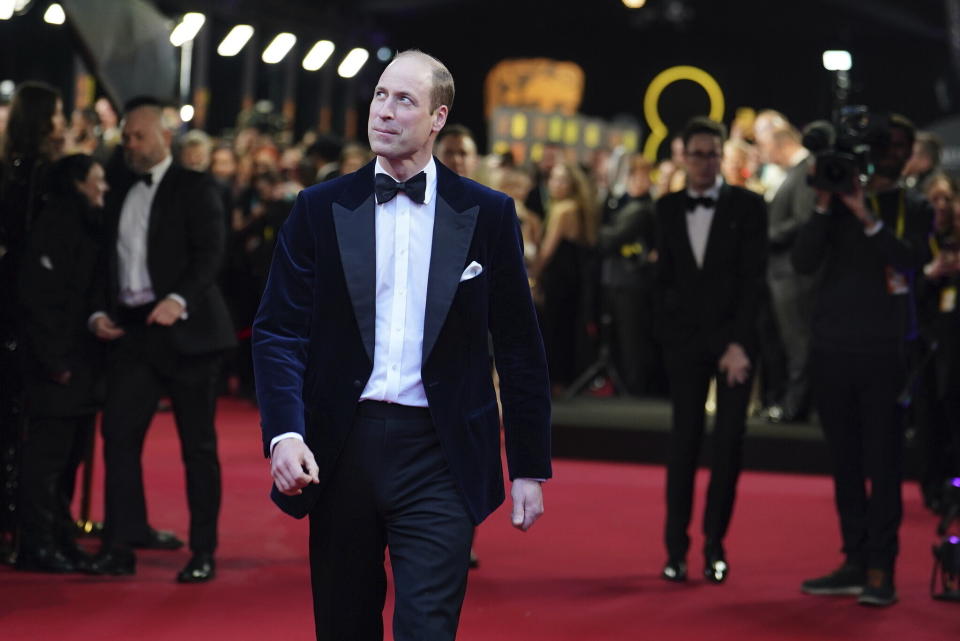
<point>159,540</point>
<point>200,568</point>
<point>80,558</point>
<point>47,558</point>
<point>675,570</point>
<point>114,561</point>
<point>716,569</point>
<point>848,579</point>
<point>879,590</point>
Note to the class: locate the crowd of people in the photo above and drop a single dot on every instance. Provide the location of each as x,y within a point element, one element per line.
<point>781,302</point>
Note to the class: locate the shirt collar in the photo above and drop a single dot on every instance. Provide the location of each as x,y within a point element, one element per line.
<point>158,170</point>
<point>713,192</point>
<point>430,170</point>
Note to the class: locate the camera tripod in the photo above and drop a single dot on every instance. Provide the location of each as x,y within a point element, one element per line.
<point>603,364</point>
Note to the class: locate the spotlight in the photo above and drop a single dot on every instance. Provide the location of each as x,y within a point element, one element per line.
<point>186,113</point>
<point>54,14</point>
<point>318,55</point>
<point>235,40</point>
<point>279,48</point>
<point>634,4</point>
<point>352,64</point>
<point>837,60</point>
<point>187,29</point>
<point>384,54</point>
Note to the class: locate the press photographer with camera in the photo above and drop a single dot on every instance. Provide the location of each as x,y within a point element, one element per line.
<point>867,239</point>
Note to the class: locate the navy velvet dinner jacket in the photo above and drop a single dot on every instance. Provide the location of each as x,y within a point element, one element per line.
<point>313,337</point>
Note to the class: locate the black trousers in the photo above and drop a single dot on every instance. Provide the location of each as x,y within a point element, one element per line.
<point>792,298</point>
<point>856,396</point>
<point>52,451</point>
<point>392,488</point>
<point>141,367</point>
<point>690,374</point>
<point>635,349</point>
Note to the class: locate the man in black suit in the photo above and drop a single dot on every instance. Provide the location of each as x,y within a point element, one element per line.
<point>168,326</point>
<point>791,293</point>
<point>373,377</point>
<point>712,257</point>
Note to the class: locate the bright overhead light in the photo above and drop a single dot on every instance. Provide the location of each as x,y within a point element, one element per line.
<point>187,29</point>
<point>235,40</point>
<point>54,14</point>
<point>318,55</point>
<point>837,60</point>
<point>352,64</point>
<point>186,113</point>
<point>279,47</point>
<point>384,54</point>
<point>6,9</point>
<point>634,4</point>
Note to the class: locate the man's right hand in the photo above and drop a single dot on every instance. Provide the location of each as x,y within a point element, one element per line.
<point>293,467</point>
<point>105,329</point>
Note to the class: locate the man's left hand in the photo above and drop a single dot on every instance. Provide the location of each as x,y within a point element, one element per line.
<point>527,498</point>
<point>735,364</point>
<point>166,313</point>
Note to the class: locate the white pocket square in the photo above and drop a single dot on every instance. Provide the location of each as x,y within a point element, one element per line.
<point>472,271</point>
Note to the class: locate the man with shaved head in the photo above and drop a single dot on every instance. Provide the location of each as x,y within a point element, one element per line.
<point>372,367</point>
<point>167,325</point>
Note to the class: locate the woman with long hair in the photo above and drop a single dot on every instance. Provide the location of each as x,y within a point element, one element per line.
<point>61,361</point>
<point>571,228</point>
<point>33,139</point>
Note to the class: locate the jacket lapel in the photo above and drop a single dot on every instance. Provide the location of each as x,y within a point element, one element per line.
<point>721,220</point>
<point>453,225</point>
<point>353,218</point>
<point>165,191</point>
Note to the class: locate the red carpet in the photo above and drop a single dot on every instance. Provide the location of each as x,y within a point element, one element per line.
<point>586,572</point>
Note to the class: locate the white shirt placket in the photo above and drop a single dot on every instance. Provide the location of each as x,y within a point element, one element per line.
<point>398,311</point>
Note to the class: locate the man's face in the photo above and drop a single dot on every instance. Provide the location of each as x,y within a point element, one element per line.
<point>701,157</point>
<point>145,142</point>
<point>459,153</point>
<point>223,165</point>
<point>892,160</point>
<point>401,125</point>
<point>195,157</point>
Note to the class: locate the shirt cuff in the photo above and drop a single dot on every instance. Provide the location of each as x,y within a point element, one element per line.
<point>285,435</point>
<point>872,231</point>
<point>183,303</point>
<point>527,478</point>
<point>93,318</point>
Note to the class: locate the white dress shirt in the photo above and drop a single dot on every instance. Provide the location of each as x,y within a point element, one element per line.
<point>699,220</point>
<point>404,241</point>
<point>134,278</point>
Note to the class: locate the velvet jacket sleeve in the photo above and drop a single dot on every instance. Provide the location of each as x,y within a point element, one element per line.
<point>281,330</point>
<point>519,356</point>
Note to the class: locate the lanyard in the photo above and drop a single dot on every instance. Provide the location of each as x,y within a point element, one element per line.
<point>901,211</point>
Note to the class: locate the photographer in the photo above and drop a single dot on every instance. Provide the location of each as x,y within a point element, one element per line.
<point>868,242</point>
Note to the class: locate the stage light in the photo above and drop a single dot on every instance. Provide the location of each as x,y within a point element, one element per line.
<point>6,9</point>
<point>7,87</point>
<point>837,60</point>
<point>187,29</point>
<point>634,4</point>
<point>279,48</point>
<point>318,55</point>
<point>186,113</point>
<point>384,54</point>
<point>235,40</point>
<point>352,64</point>
<point>54,14</point>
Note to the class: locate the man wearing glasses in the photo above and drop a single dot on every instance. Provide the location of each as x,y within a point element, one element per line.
<point>712,245</point>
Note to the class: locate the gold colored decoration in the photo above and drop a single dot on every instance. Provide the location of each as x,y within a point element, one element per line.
<point>545,85</point>
<point>658,130</point>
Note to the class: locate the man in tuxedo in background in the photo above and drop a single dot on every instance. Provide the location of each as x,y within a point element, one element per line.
<point>712,259</point>
<point>373,376</point>
<point>167,324</point>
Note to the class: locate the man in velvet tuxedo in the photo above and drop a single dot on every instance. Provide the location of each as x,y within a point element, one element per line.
<point>167,326</point>
<point>712,258</point>
<point>372,369</point>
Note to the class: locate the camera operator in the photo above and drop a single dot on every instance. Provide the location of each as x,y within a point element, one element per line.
<point>868,244</point>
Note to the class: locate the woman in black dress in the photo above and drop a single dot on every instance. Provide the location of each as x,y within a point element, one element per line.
<point>62,361</point>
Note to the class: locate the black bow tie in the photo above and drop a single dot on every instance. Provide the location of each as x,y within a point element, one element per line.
<point>386,188</point>
<point>146,178</point>
<point>701,201</point>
